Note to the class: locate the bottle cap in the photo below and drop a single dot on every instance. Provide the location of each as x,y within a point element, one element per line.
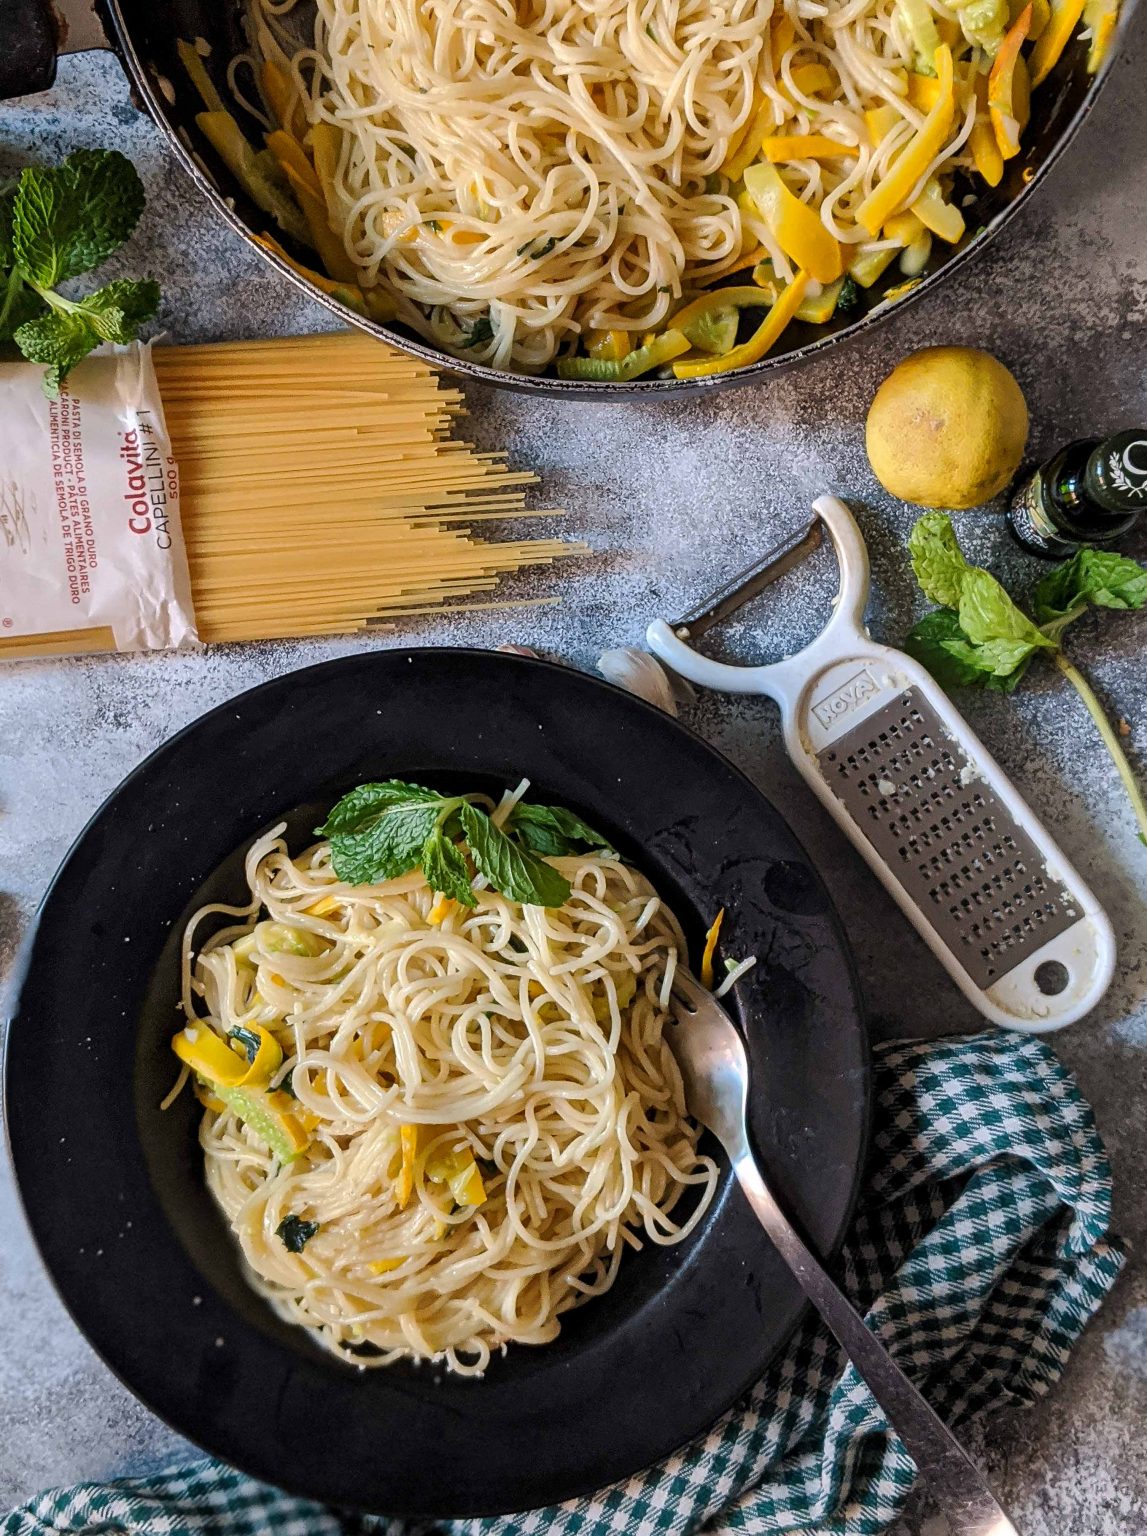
<point>1116,473</point>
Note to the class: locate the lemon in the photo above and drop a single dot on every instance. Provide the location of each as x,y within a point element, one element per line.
<point>947,428</point>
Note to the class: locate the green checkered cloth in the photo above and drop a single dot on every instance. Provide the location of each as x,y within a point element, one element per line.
<point>978,1255</point>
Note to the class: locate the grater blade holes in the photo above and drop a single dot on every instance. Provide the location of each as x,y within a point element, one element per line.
<point>950,841</point>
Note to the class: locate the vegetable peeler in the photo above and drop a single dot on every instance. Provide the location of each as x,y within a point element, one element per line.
<point>919,795</point>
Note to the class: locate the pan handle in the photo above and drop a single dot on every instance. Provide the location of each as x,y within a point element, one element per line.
<point>35,32</point>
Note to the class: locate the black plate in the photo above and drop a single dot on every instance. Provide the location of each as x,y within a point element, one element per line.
<point>114,1192</point>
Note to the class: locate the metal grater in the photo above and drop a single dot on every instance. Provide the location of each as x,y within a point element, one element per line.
<point>920,797</point>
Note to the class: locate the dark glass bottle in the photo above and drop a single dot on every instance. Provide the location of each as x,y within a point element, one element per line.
<point>1090,492</point>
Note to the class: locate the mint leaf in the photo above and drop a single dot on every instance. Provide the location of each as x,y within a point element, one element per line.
<point>117,310</point>
<point>516,872</point>
<point>937,558</point>
<point>1091,576</point>
<point>551,829</point>
<point>69,219</point>
<point>60,338</point>
<point>1002,659</point>
<point>357,811</point>
<point>18,305</point>
<point>390,846</point>
<point>987,613</point>
<point>939,644</point>
<point>247,1038</point>
<point>479,333</point>
<point>7,214</point>
<point>444,865</point>
<point>296,1233</point>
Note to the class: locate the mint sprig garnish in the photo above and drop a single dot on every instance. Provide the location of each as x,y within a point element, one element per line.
<point>57,223</point>
<point>981,638</point>
<point>381,831</point>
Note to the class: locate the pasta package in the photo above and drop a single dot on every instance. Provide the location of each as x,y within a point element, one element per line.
<point>242,491</point>
<point>92,555</point>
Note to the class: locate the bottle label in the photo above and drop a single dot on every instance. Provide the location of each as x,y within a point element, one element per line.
<point>1120,472</point>
<point>1032,524</point>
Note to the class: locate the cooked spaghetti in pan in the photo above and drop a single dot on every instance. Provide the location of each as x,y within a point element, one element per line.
<point>438,1104</point>
<point>576,183</point>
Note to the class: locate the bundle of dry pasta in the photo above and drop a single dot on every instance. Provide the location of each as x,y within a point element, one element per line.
<point>304,486</point>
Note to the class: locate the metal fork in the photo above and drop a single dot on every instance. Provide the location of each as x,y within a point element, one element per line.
<point>715,1071</point>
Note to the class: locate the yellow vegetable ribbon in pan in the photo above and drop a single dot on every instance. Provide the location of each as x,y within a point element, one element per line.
<point>798,229</point>
<point>917,155</point>
<point>759,342</point>
<point>1053,39</point>
<point>1008,88</point>
<point>711,949</point>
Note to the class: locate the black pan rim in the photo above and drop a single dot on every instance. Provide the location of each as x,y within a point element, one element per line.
<point>569,389</point>
<point>257,1466</point>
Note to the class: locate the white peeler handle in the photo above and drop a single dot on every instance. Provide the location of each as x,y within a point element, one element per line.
<point>784,681</point>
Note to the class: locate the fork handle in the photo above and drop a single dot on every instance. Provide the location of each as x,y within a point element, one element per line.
<point>964,1497</point>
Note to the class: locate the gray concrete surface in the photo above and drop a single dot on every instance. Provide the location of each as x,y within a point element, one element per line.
<point>670,499</point>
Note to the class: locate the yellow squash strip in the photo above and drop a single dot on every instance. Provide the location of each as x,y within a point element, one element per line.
<point>197,74</point>
<point>375,302</point>
<point>271,1116</point>
<point>404,1184</point>
<point>717,298</point>
<point>879,121</point>
<point>866,266</point>
<point>938,215</point>
<point>805,146</point>
<point>226,138</point>
<point>904,227</point>
<point>711,949</point>
<point>783,36</point>
<point>1101,18</point>
<point>212,1058</point>
<point>798,228</point>
<point>441,910</point>
<point>814,308</point>
<point>279,95</point>
<point>612,345</point>
<point>811,78</point>
<point>324,143</point>
<point>985,150</point>
<point>1041,15</point>
<point>1006,88</point>
<point>384,1266</point>
<point>914,256</point>
<point>759,342</point>
<point>820,309</point>
<point>923,91</point>
<point>893,295</point>
<point>747,144</point>
<point>330,248</point>
<point>459,1172</point>
<point>293,157</point>
<point>324,905</point>
<point>915,158</point>
<point>1053,40</point>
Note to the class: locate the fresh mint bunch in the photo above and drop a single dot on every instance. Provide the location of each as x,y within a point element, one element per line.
<point>380,831</point>
<point>981,638</point>
<point>57,223</point>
